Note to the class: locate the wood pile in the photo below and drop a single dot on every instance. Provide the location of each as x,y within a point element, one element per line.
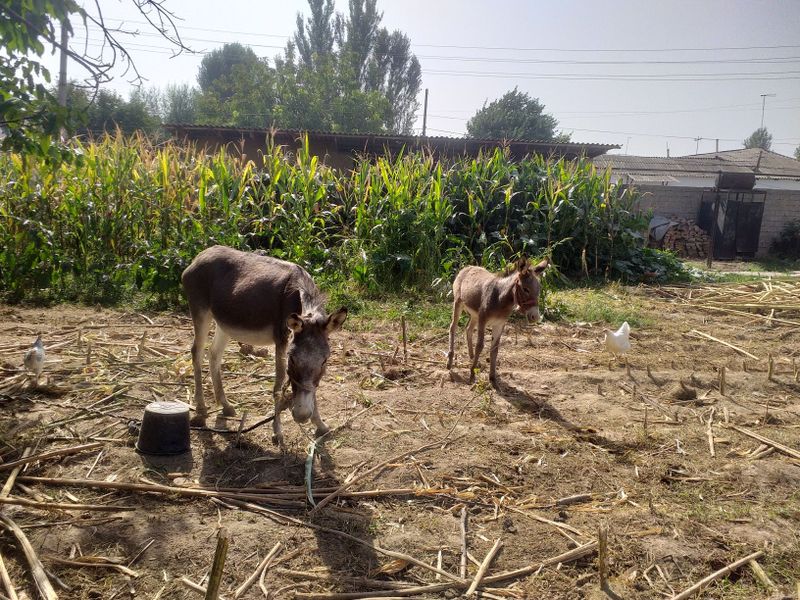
<point>687,240</point>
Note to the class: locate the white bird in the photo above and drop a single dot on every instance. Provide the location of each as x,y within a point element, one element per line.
<point>34,359</point>
<point>618,342</point>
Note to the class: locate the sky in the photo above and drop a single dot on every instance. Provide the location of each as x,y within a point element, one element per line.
<point>649,76</point>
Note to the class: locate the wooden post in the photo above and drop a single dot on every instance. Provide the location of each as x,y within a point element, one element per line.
<point>713,232</point>
<point>425,114</point>
<point>403,325</point>
<point>602,555</point>
<point>215,578</point>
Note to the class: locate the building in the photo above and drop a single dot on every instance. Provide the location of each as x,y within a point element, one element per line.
<point>340,150</point>
<point>683,187</point>
<point>773,171</point>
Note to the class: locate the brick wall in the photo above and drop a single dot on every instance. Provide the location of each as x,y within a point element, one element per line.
<point>668,201</point>
<point>780,207</point>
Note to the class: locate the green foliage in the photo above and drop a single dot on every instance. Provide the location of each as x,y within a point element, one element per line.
<point>346,73</point>
<point>760,138</point>
<point>514,116</point>
<point>129,216</point>
<point>609,304</point>
<point>109,111</point>
<point>236,88</point>
<point>31,118</point>
<point>797,153</point>
<point>179,104</point>
<point>29,112</point>
<point>651,266</point>
<point>787,244</point>
<point>325,98</point>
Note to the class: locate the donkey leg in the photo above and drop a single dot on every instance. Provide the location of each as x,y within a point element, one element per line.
<point>471,326</point>
<point>478,346</point>
<point>202,323</point>
<point>277,392</point>
<point>497,331</point>
<point>322,428</point>
<point>215,359</point>
<point>453,328</point>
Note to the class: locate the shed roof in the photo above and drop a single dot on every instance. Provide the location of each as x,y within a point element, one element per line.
<point>378,142</point>
<point>762,162</point>
<point>769,166</point>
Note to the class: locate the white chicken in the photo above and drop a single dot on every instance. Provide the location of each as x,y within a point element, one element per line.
<point>34,359</point>
<point>619,341</point>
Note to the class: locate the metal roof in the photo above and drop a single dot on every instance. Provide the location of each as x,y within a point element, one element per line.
<point>769,166</point>
<point>378,141</point>
<point>763,162</point>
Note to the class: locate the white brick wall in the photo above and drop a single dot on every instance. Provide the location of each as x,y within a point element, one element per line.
<point>780,207</point>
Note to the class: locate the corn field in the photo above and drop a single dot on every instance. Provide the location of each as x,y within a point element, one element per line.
<point>128,216</point>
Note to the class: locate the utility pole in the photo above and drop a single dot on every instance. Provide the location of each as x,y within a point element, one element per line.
<point>667,149</point>
<point>697,144</point>
<point>628,141</point>
<point>425,113</point>
<point>763,105</point>
<point>62,71</point>
<point>717,148</point>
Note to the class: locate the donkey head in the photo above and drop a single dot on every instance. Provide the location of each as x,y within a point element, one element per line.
<point>527,287</point>
<point>308,353</point>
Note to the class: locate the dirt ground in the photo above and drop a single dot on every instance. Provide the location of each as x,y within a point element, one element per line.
<point>572,442</point>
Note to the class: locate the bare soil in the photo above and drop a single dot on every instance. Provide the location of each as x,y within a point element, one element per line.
<point>572,441</point>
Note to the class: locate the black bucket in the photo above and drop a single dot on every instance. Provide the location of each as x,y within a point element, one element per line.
<point>165,429</point>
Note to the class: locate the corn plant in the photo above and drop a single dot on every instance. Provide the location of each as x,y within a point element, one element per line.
<point>128,216</point>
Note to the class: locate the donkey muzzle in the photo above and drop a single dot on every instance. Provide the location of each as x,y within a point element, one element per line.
<point>532,314</point>
<point>303,405</point>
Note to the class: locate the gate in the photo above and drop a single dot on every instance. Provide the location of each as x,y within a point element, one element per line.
<point>733,219</point>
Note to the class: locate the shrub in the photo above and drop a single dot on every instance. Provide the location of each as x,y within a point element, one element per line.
<point>787,244</point>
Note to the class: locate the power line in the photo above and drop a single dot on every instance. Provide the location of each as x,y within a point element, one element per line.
<point>764,60</point>
<point>511,48</point>
<point>500,60</point>
<point>740,76</point>
<point>689,77</point>
<point>592,114</point>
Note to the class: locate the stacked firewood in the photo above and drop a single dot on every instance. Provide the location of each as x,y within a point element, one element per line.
<point>687,240</point>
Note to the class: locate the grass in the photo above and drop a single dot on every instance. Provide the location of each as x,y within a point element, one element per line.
<point>610,303</point>
<point>736,271</point>
<point>421,313</point>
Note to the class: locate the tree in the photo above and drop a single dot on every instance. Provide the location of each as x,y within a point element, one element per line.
<point>346,72</point>
<point>514,116</point>
<point>30,115</point>
<point>321,98</point>
<point>236,88</point>
<point>760,138</point>
<point>797,153</point>
<point>108,111</point>
<point>179,103</point>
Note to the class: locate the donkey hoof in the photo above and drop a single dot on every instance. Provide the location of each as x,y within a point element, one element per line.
<point>277,439</point>
<point>199,420</point>
<point>228,411</point>
<point>322,430</point>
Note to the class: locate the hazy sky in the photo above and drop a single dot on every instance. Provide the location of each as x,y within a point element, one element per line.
<point>642,74</point>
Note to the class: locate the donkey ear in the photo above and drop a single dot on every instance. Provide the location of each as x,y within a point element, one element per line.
<point>336,320</point>
<point>523,264</point>
<point>540,268</point>
<point>295,323</point>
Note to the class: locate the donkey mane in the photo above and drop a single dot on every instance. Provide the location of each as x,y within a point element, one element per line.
<point>312,300</point>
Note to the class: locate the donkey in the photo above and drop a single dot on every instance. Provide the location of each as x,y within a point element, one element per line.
<point>489,299</point>
<point>260,300</point>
